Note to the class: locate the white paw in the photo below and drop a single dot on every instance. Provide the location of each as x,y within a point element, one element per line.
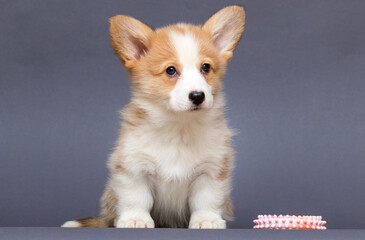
<point>135,220</point>
<point>136,223</point>
<point>207,221</point>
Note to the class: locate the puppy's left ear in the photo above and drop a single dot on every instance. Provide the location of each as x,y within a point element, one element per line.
<point>226,28</point>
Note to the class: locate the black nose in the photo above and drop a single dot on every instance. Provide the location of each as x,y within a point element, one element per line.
<point>197,97</point>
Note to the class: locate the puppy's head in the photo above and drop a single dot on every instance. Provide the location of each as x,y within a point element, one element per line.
<point>179,66</point>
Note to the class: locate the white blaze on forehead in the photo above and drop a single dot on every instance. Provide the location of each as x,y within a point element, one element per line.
<point>186,48</point>
<point>190,79</point>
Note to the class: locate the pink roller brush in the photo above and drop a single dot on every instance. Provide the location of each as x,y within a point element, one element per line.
<point>289,222</point>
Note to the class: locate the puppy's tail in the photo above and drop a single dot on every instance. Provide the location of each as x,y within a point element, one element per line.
<point>92,222</point>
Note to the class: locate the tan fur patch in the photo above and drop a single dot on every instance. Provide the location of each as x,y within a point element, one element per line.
<point>226,169</point>
<point>149,77</point>
<point>228,209</point>
<point>90,222</point>
<point>108,203</point>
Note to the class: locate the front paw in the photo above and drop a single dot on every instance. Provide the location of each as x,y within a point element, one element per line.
<point>135,220</point>
<point>206,221</point>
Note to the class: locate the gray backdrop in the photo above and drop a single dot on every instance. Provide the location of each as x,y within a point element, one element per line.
<point>295,91</point>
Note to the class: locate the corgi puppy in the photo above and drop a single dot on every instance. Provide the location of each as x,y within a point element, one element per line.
<point>172,164</point>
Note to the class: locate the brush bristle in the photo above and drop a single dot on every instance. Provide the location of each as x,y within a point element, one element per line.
<point>289,222</point>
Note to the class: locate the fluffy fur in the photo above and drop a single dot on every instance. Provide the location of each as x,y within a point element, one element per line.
<point>172,163</point>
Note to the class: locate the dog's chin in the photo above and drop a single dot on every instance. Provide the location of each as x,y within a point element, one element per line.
<point>190,109</point>
<point>195,108</point>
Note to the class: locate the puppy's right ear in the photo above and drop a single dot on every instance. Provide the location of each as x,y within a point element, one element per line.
<point>130,38</point>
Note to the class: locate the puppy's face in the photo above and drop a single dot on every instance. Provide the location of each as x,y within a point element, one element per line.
<point>179,66</point>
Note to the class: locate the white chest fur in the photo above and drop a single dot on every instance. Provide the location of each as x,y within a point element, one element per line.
<point>174,152</point>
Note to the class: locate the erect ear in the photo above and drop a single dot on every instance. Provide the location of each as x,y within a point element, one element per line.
<point>130,38</point>
<point>226,28</point>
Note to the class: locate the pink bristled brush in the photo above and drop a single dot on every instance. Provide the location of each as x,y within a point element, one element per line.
<point>289,222</point>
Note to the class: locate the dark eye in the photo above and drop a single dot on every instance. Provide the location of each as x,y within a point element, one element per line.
<point>171,71</point>
<point>205,68</point>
